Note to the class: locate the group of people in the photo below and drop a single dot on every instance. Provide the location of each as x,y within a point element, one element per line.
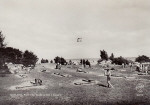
<point>85,62</point>
<point>107,73</point>
<point>142,67</point>
<point>130,65</point>
<point>58,66</point>
<point>139,67</point>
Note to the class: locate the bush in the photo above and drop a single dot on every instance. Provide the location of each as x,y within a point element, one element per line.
<point>142,59</point>
<point>15,56</point>
<point>29,58</point>
<point>60,60</point>
<point>87,62</point>
<point>120,61</point>
<point>44,61</point>
<point>11,54</point>
<point>51,61</point>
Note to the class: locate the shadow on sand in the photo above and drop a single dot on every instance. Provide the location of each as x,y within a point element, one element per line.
<point>99,84</point>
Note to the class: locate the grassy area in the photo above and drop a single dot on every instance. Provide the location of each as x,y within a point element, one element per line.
<point>63,87</point>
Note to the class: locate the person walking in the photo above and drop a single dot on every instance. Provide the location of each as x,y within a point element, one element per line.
<point>108,74</point>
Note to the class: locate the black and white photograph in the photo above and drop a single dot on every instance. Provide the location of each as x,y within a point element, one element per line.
<point>74,52</point>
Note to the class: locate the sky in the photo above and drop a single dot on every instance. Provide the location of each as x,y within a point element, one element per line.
<point>50,28</point>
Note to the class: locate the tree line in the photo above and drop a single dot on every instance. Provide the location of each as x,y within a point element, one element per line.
<point>121,60</point>
<point>14,55</point>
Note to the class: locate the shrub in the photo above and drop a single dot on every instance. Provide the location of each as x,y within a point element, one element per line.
<point>29,58</point>
<point>44,60</point>
<point>60,60</point>
<point>51,61</point>
<point>120,61</point>
<point>142,59</point>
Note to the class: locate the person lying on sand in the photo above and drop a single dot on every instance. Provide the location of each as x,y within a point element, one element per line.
<point>79,70</point>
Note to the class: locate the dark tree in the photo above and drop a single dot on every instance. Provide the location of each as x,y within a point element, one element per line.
<point>57,59</point>
<point>2,57</point>
<point>120,60</point>
<point>88,63</point>
<point>29,58</point>
<point>142,59</point>
<point>44,60</point>
<point>103,55</point>
<point>60,60</point>
<point>13,55</point>
<point>51,61</point>
<point>2,38</point>
<point>2,45</point>
<point>111,57</point>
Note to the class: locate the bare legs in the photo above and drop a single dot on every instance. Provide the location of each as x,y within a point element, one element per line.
<point>109,84</point>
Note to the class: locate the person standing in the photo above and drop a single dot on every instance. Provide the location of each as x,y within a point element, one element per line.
<point>123,65</point>
<point>108,74</point>
<point>146,70</point>
<point>131,65</point>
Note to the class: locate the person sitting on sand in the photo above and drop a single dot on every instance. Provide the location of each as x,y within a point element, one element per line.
<point>38,82</point>
<point>108,74</point>
<point>43,69</point>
